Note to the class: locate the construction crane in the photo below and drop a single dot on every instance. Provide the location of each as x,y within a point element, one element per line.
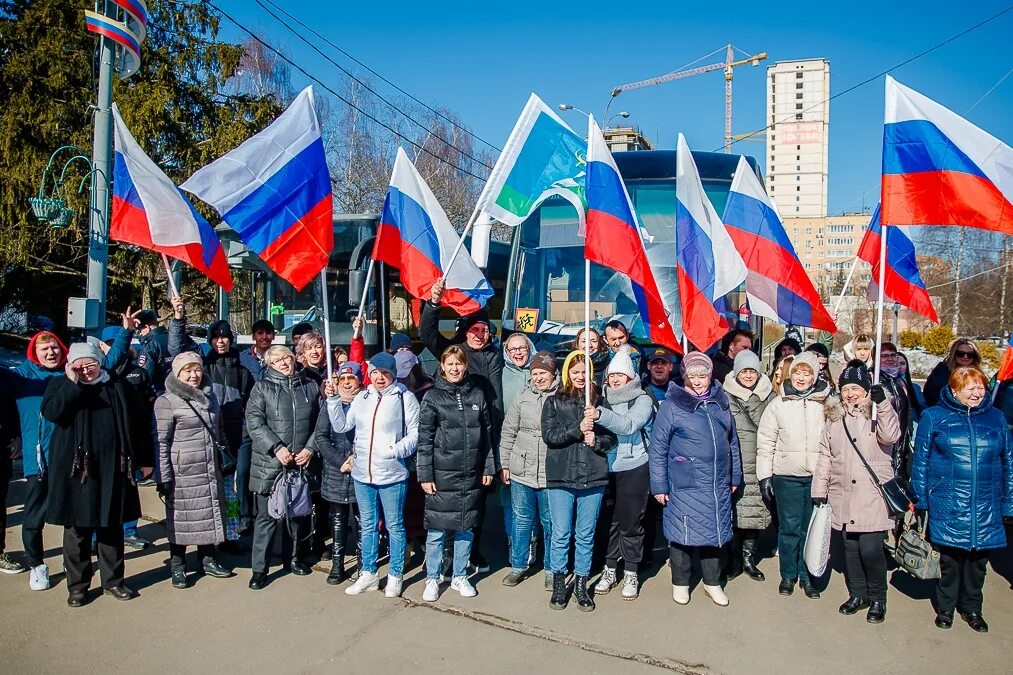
<point>727,65</point>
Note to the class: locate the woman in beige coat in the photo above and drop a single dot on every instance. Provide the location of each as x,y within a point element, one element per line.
<point>859,510</point>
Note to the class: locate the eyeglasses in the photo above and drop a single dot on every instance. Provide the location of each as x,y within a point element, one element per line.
<point>521,348</point>
<point>965,355</point>
<point>282,359</point>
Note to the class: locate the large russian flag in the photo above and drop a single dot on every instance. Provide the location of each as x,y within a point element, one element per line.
<point>149,211</point>
<point>777,284</point>
<point>613,238</point>
<point>416,237</point>
<point>709,265</point>
<point>939,169</point>
<point>902,282</point>
<point>274,190</point>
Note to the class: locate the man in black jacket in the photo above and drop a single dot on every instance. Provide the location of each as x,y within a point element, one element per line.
<point>889,377</point>
<point>9,430</point>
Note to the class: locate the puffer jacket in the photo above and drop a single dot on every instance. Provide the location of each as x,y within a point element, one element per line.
<point>386,425</point>
<point>600,361</point>
<point>569,462</point>
<point>284,411</point>
<point>841,476</point>
<point>628,415</point>
<point>521,445</point>
<point>747,406</point>
<point>515,377</point>
<point>194,508</point>
<point>455,452</point>
<point>694,459</point>
<point>788,438</point>
<point>336,486</point>
<point>962,473</point>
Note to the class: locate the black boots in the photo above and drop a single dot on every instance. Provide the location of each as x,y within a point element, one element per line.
<point>213,568</point>
<point>339,528</point>
<point>786,587</point>
<point>877,612</point>
<point>807,587</point>
<point>749,559</point>
<point>585,603</point>
<point>559,598</point>
<point>852,606</point>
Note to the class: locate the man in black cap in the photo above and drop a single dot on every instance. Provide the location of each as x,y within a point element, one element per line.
<point>660,364</point>
<point>154,353</point>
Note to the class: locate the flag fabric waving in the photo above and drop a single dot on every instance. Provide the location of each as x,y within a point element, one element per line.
<point>1006,364</point>
<point>542,157</point>
<point>149,211</point>
<point>709,265</point>
<point>902,283</point>
<point>777,285</point>
<point>613,237</point>
<point>416,237</point>
<point>939,169</point>
<point>274,190</point>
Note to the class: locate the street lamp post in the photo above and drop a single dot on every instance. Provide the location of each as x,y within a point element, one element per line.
<point>896,321</point>
<point>624,114</point>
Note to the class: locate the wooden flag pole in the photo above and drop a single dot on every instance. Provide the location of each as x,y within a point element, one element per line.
<point>879,312</point>
<point>168,273</point>
<point>327,322</point>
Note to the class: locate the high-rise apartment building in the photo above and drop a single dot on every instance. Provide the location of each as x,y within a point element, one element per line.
<point>798,119</point>
<point>826,246</point>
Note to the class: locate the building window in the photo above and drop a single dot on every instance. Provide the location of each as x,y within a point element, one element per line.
<point>798,96</point>
<point>798,199</point>
<point>796,231</point>
<point>798,148</point>
<point>798,75</point>
<point>798,106</point>
<point>798,116</point>
<point>798,85</point>
<point>798,188</point>
<point>798,178</point>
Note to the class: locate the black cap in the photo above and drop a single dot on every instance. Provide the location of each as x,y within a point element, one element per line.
<point>660,354</point>
<point>147,317</point>
<point>856,372</point>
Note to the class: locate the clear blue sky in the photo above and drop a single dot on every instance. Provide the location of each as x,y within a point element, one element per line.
<point>482,59</point>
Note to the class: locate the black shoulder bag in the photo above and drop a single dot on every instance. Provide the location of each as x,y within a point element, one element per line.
<point>895,491</point>
<point>226,458</point>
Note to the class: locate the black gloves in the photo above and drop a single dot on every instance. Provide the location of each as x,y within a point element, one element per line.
<point>819,501</point>
<point>877,393</point>
<point>767,490</point>
<point>164,489</point>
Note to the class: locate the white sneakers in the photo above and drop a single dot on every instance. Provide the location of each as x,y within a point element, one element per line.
<point>38,580</point>
<point>680,594</point>
<point>631,586</point>
<point>432,592</point>
<point>463,586</point>
<point>393,587</point>
<point>717,595</point>
<point>367,581</point>
<point>607,581</point>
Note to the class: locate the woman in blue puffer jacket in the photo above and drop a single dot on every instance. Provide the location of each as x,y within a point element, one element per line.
<point>962,474</point>
<point>695,468</point>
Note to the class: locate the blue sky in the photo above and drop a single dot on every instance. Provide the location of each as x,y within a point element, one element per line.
<point>482,59</point>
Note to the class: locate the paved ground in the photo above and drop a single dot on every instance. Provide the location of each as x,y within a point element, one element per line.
<point>299,624</point>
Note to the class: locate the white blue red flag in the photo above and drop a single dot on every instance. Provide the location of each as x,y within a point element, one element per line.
<point>1005,371</point>
<point>149,211</point>
<point>777,285</point>
<point>274,190</point>
<point>939,169</point>
<point>709,265</point>
<point>902,282</point>
<point>416,237</point>
<point>613,238</point>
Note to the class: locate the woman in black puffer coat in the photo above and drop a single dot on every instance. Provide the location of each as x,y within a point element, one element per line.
<point>455,461</point>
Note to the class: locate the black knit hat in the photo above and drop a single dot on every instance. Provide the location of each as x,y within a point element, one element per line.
<point>856,372</point>
<point>543,360</point>
<point>820,349</point>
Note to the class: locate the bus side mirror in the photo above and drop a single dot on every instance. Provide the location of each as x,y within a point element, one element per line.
<point>356,282</point>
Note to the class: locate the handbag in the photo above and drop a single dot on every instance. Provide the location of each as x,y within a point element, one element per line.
<point>895,491</point>
<point>226,458</point>
<point>290,496</point>
<point>817,541</point>
<point>913,553</point>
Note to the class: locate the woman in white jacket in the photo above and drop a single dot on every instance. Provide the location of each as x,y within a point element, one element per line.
<point>787,448</point>
<point>385,417</point>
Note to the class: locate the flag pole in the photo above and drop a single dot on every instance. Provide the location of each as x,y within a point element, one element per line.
<point>879,312</point>
<point>327,322</point>
<point>460,242</point>
<point>168,273</point>
<point>587,332</point>
<point>847,283</point>
<point>365,292</point>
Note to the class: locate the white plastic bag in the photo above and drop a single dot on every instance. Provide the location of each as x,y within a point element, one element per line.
<point>817,540</point>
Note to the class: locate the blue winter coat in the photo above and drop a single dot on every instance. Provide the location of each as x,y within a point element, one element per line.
<point>694,459</point>
<point>962,473</point>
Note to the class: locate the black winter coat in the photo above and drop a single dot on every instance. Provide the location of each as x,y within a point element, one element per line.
<point>284,411</point>
<point>937,380</point>
<point>569,462</point>
<point>336,486</point>
<point>100,435</point>
<point>455,452</point>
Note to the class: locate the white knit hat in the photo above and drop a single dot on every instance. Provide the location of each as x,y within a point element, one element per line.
<point>622,363</point>
<point>84,350</point>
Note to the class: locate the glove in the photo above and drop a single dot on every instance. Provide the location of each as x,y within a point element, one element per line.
<point>767,490</point>
<point>877,393</point>
<point>819,501</point>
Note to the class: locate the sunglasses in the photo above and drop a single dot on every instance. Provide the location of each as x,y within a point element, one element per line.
<point>967,355</point>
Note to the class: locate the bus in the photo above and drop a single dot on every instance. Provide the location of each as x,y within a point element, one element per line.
<point>545,278</point>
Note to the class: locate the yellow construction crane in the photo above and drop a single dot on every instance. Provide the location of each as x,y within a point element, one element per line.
<point>727,65</point>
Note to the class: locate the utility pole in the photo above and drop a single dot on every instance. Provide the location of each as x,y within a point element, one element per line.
<point>1005,277</point>
<point>956,281</point>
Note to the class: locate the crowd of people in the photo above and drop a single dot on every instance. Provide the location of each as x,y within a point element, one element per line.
<point>384,459</point>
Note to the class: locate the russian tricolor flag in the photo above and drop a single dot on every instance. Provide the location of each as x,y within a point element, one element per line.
<point>709,265</point>
<point>1005,371</point>
<point>939,169</point>
<point>149,211</point>
<point>777,285</point>
<point>416,237</point>
<point>902,282</point>
<point>613,238</point>
<point>274,190</point>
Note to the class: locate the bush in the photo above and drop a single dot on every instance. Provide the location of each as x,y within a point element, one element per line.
<point>937,340</point>
<point>989,354</point>
<point>910,339</point>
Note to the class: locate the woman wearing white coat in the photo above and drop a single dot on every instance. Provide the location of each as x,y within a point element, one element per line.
<point>385,417</point>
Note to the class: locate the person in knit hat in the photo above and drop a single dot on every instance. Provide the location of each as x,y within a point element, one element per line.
<point>626,411</point>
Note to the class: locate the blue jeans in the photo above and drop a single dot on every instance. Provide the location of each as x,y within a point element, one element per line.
<point>504,493</point>
<point>562,504</point>
<point>524,501</point>
<point>434,552</point>
<point>391,498</point>
<point>130,528</point>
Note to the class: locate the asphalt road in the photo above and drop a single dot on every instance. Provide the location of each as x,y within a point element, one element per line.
<point>301,625</point>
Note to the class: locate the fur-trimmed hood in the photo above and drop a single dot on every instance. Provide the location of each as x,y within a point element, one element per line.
<point>199,396</point>
<point>835,408</point>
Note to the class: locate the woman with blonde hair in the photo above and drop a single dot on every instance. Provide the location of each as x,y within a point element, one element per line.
<point>962,353</point>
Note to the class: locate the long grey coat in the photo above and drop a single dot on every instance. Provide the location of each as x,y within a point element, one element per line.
<point>522,448</point>
<point>194,508</point>
<point>751,513</point>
